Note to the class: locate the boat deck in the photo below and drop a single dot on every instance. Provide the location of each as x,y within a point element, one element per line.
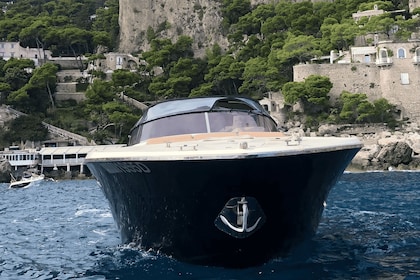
<point>228,145</point>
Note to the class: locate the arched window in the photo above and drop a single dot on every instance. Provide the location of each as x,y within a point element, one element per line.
<point>383,55</point>
<point>401,53</point>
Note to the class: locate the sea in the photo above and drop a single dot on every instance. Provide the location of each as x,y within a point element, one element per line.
<point>64,230</point>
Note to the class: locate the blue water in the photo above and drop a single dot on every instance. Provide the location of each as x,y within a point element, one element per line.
<point>64,230</point>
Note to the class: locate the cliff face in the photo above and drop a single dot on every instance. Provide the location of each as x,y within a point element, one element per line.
<point>198,19</point>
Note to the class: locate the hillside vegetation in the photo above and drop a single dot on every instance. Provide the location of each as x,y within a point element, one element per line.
<point>265,42</point>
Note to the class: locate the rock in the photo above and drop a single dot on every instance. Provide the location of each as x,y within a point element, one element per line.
<point>414,141</point>
<point>5,170</point>
<point>389,140</point>
<point>366,157</point>
<point>296,131</point>
<point>327,129</point>
<point>395,153</point>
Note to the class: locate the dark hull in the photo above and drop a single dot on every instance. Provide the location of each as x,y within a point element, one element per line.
<point>174,207</point>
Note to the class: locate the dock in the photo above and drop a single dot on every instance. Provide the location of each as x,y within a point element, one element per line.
<point>53,161</point>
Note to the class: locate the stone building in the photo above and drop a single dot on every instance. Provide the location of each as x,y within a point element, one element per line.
<point>389,70</point>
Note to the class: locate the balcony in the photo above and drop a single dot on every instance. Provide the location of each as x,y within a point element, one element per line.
<point>416,60</point>
<point>383,62</point>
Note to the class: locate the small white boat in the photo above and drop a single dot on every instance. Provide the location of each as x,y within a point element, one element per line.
<point>28,179</point>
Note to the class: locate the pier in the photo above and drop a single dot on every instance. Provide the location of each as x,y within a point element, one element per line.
<point>67,161</point>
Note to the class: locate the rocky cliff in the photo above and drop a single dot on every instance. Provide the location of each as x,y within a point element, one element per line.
<point>198,19</point>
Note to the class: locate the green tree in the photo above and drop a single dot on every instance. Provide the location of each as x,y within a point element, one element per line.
<point>99,92</point>
<point>312,93</point>
<point>121,119</point>
<point>37,93</point>
<point>298,49</point>
<point>384,112</point>
<point>226,76</point>
<point>16,77</point>
<point>159,87</point>
<point>10,29</point>
<point>20,99</point>
<point>70,41</point>
<point>342,35</point>
<point>406,27</point>
<point>381,24</point>
<point>5,89</point>
<point>43,81</point>
<point>232,10</point>
<point>382,5</point>
<point>189,69</point>
<point>160,54</point>
<point>251,23</point>
<point>30,128</point>
<point>259,78</point>
<point>102,38</point>
<point>354,107</point>
<point>33,36</point>
<point>357,109</point>
<point>124,77</point>
<point>205,89</point>
<point>293,92</point>
<point>20,64</point>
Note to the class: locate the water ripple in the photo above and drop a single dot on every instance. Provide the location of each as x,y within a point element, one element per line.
<point>64,230</point>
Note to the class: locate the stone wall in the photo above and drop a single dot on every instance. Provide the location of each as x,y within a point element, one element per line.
<point>352,77</point>
<point>387,81</point>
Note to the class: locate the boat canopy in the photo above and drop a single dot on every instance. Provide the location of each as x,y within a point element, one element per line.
<point>201,115</point>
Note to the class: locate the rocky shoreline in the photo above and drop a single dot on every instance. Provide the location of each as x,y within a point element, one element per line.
<point>383,149</point>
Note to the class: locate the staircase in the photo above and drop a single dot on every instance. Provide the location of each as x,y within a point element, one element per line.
<point>80,140</point>
<point>66,85</point>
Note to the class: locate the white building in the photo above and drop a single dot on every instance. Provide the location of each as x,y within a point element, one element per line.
<point>14,50</point>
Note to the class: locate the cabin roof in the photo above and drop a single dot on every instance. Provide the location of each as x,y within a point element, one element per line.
<point>201,104</point>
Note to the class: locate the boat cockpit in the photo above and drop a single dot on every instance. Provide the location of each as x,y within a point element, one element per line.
<point>203,115</point>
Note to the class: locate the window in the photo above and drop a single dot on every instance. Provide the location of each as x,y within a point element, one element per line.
<point>383,56</point>
<point>401,53</point>
<point>404,79</point>
<point>366,58</point>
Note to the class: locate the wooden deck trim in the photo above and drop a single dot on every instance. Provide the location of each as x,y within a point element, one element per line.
<point>204,136</point>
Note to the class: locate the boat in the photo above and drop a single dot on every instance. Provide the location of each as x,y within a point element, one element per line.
<point>212,181</point>
<point>28,179</point>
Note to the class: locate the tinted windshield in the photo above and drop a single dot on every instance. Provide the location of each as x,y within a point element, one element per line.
<point>202,122</point>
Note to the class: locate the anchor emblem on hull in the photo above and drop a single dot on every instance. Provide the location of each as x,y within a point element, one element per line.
<point>240,217</point>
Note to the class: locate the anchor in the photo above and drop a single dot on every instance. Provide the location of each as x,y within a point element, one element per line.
<point>242,218</point>
<point>240,207</point>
